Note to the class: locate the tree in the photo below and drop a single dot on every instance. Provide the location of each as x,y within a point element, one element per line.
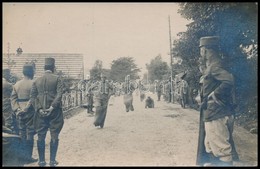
<point>122,67</point>
<point>236,24</point>
<point>95,72</point>
<point>157,68</point>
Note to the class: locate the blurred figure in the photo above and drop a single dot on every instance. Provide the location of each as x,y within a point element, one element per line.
<point>149,103</point>
<point>128,94</point>
<point>102,93</point>
<point>158,88</point>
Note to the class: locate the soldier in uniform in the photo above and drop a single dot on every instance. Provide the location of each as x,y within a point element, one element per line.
<point>8,119</point>
<point>217,104</point>
<point>89,100</point>
<point>128,94</point>
<point>24,111</point>
<point>101,100</point>
<point>184,91</point>
<point>158,89</point>
<point>46,97</point>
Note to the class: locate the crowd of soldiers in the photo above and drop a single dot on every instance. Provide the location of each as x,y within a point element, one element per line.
<point>34,106</point>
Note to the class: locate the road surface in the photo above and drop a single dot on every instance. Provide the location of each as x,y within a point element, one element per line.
<point>164,136</point>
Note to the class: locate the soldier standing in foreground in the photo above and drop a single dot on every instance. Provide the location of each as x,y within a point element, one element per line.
<point>46,97</point>
<point>24,111</point>
<point>217,105</point>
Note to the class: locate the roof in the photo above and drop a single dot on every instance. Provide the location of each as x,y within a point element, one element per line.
<point>69,63</point>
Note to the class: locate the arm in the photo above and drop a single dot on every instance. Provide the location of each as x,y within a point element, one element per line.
<point>56,102</point>
<point>226,82</point>
<point>14,103</point>
<point>33,96</point>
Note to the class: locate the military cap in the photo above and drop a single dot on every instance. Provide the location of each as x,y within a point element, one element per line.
<point>209,41</point>
<point>50,61</point>
<point>28,67</point>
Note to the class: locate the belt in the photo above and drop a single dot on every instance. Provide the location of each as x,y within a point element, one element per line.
<point>22,100</point>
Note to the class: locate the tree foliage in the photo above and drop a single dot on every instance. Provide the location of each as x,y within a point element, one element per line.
<point>122,67</point>
<point>157,69</point>
<point>95,72</point>
<point>236,24</point>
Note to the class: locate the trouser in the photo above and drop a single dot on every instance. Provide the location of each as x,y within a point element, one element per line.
<point>217,139</point>
<point>54,143</point>
<point>159,95</point>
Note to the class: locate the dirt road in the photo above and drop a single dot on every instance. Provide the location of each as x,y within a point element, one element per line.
<point>164,136</point>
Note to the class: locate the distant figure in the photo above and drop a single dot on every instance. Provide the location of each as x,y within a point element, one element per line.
<point>128,94</point>
<point>101,99</point>
<point>184,92</point>
<point>158,89</point>
<point>149,103</point>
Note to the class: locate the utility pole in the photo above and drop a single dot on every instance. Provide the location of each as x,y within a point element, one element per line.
<point>170,55</point>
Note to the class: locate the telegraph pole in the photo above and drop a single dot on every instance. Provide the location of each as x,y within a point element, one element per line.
<point>170,43</point>
<point>170,54</point>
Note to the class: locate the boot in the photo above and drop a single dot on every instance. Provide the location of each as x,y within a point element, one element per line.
<point>41,152</point>
<point>29,148</point>
<point>53,152</point>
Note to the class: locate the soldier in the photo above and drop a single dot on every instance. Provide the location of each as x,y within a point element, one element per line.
<point>8,119</point>
<point>217,107</point>
<point>128,94</point>
<point>24,111</point>
<point>46,97</point>
<point>149,103</point>
<point>158,89</point>
<point>101,100</point>
<point>90,100</point>
<point>184,91</point>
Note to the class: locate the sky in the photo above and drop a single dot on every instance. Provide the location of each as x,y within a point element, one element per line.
<point>104,31</point>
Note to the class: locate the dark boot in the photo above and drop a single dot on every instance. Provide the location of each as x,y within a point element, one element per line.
<point>29,150</point>
<point>53,152</point>
<point>41,152</point>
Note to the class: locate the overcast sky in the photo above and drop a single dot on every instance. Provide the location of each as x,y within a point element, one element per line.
<point>104,31</point>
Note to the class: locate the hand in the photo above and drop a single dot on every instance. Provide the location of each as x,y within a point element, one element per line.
<point>44,113</point>
<point>49,109</point>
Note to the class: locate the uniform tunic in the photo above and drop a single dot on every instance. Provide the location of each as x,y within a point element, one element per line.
<point>7,109</point>
<point>220,81</point>
<point>20,100</point>
<point>47,91</point>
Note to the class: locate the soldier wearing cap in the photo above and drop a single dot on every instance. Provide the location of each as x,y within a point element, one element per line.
<point>217,105</point>
<point>46,97</point>
<point>24,111</point>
